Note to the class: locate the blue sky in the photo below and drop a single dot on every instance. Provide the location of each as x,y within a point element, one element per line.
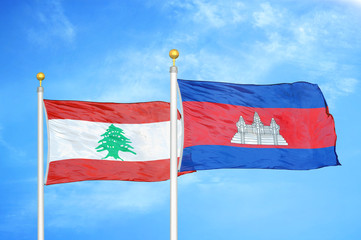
<point>117,51</point>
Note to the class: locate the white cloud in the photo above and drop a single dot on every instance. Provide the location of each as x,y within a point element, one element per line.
<point>131,75</point>
<point>52,24</point>
<point>212,187</point>
<point>268,16</point>
<point>340,87</point>
<point>305,41</point>
<point>304,34</point>
<point>218,15</point>
<point>353,2</point>
<point>87,203</point>
<point>215,14</point>
<point>348,85</point>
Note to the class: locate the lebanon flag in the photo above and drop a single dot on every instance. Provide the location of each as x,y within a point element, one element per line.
<point>107,141</point>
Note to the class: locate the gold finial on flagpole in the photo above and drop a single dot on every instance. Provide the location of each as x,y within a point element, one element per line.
<point>173,54</point>
<point>40,76</point>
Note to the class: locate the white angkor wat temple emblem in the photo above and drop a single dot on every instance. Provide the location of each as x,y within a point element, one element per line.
<point>258,133</point>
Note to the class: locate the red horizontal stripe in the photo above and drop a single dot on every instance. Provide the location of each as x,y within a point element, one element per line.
<point>75,170</point>
<point>122,113</point>
<point>215,124</point>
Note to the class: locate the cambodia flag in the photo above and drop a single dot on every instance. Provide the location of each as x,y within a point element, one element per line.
<point>280,126</point>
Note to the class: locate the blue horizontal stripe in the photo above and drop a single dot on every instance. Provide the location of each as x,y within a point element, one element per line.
<point>205,157</point>
<point>286,95</point>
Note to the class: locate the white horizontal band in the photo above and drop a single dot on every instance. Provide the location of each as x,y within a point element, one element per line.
<point>72,139</point>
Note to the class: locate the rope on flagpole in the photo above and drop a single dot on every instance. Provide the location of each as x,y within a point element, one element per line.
<point>173,148</point>
<point>40,76</point>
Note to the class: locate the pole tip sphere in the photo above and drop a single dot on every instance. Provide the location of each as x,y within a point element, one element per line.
<point>40,76</point>
<point>173,54</point>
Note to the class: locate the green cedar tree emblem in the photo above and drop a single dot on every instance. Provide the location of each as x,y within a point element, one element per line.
<point>114,141</point>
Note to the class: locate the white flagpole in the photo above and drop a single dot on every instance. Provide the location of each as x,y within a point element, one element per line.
<point>40,76</point>
<point>173,148</point>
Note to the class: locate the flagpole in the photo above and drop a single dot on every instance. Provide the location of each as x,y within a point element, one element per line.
<point>173,148</point>
<point>40,76</point>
